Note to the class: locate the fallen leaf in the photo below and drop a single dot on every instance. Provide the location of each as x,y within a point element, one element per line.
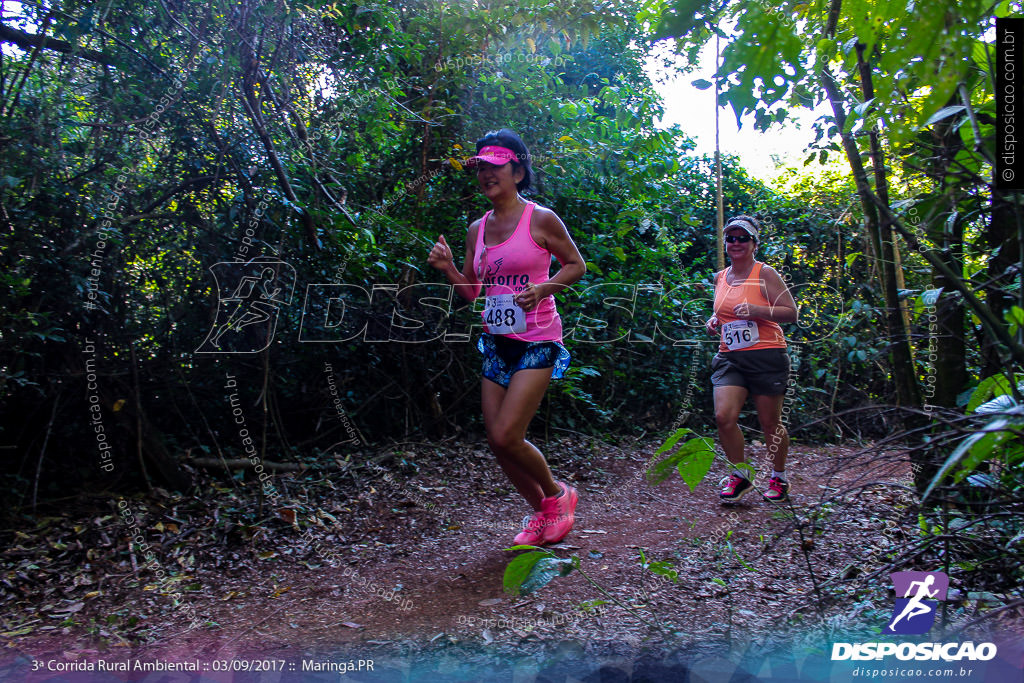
<point>287,514</point>
<point>72,608</point>
<point>19,632</point>
<point>490,602</point>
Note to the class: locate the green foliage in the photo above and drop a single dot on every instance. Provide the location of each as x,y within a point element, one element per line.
<point>589,606</point>
<point>998,438</point>
<point>692,460</point>
<point>660,568</point>
<point>1015,318</point>
<point>531,571</point>
<point>777,50</point>
<point>992,387</point>
<point>739,558</point>
<point>917,77</point>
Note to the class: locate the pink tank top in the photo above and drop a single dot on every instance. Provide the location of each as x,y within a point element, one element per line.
<point>510,266</point>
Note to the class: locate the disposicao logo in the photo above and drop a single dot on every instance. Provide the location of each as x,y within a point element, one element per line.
<point>249,298</point>
<point>917,598</point>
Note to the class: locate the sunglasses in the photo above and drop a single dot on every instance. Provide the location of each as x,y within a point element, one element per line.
<point>742,239</point>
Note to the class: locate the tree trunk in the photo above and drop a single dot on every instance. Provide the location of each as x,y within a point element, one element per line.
<point>901,359</point>
<point>1002,239</point>
<point>879,225</point>
<point>951,348</point>
<point>947,328</point>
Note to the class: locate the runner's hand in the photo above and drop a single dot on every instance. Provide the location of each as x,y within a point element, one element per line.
<point>529,298</point>
<point>441,255</point>
<point>712,325</point>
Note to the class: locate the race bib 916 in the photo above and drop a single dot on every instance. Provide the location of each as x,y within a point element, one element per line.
<point>503,315</point>
<point>740,334</point>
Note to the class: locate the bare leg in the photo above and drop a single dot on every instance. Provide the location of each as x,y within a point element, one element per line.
<point>728,403</point>
<point>769,414</point>
<point>507,414</point>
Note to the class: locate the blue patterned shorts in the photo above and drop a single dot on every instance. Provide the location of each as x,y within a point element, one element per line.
<point>503,356</point>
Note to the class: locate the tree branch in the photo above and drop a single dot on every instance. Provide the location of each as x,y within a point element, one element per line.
<point>27,41</point>
<point>242,463</point>
<point>984,313</point>
<point>252,108</point>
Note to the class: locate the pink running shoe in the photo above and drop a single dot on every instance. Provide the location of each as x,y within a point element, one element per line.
<point>735,488</point>
<point>533,529</point>
<point>560,514</point>
<point>778,490</point>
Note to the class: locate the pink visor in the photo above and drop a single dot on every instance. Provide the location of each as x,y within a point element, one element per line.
<point>499,156</point>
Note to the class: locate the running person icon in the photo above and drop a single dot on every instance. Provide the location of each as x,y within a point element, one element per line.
<point>916,607</point>
<point>508,252</point>
<point>252,307</point>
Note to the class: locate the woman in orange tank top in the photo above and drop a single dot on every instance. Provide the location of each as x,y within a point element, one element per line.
<point>751,300</point>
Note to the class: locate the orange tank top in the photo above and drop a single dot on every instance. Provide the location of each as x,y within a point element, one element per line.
<point>739,334</point>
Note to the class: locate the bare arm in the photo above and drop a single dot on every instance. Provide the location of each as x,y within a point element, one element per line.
<point>781,307</point>
<point>712,323</point>
<point>554,237</point>
<point>466,282</point>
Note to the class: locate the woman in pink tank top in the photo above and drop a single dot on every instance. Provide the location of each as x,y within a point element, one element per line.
<point>508,254</point>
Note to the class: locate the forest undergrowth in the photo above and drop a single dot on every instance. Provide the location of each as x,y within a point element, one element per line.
<point>410,543</point>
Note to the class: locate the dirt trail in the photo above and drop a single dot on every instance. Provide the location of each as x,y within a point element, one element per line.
<point>424,563</point>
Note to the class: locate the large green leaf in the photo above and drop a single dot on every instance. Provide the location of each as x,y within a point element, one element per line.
<point>692,460</point>
<point>700,454</point>
<point>990,387</point>
<point>978,447</point>
<point>519,568</point>
<point>534,570</point>
<point>673,440</point>
<point>544,570</point>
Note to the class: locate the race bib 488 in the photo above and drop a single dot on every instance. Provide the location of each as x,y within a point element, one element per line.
<point>503,315</point>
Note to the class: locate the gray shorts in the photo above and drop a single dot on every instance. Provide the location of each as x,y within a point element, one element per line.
<point>764,372</point>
